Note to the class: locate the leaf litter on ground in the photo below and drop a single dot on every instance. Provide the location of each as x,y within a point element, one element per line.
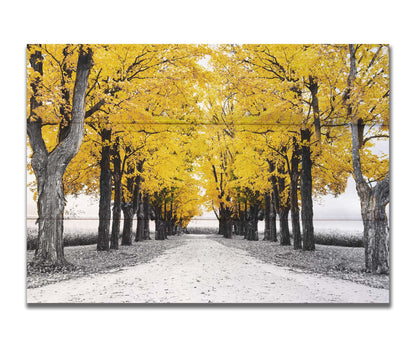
<point>335,261</point>
<point>86,260</point>
<point>339,262</point>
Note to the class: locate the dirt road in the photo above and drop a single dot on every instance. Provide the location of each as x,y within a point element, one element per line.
<point>204,271</point>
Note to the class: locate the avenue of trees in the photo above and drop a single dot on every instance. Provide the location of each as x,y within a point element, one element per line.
<point>249,131</point>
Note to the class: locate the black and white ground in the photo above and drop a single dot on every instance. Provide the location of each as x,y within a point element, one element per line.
<point>204,271</point>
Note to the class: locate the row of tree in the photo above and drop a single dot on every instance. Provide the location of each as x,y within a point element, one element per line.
<point>113,106</point>
<point>259,128</point>
<point>287,118</point>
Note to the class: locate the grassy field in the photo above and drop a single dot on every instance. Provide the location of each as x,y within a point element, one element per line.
<point>72,237</point>
<point>88,236</point>
<point>332,237</point>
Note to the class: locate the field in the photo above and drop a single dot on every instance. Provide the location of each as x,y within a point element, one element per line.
<point>87,236</point>
<point>331,237</point>
<point>72,237</point>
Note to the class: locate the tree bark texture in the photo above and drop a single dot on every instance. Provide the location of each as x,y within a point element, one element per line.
<point>128,214</point>
<point>104,209</point>
<point>242,217</point>
<point>225,222</point>
<point>139,208</point>
<point>160,227</point>
<point>169,219</point>
<point>275,202</point>
<point>127,207</point>
<point>242,221</point>
<point>313,86</point>
<point>160,232</point>
<point>294,205</point>
<point>49,167</point>
<point>146,216</point>
<point>306,192</point>
<point>64,111</point>
<point>373,203</point>
<point>115,228</point>
<point>373,199</point>
<point>284,227</point>
<point>221,226</point>
<point>237,218</point>
<point>140,229</point>
<point>272,217</point>
<point>284,207</point>
<point>267,216</point>
<point>252,223</point>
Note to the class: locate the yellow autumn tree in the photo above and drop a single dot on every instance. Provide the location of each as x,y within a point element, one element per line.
<point>57,88</point>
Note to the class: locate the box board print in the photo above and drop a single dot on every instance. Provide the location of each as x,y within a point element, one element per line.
<point>208,173</point>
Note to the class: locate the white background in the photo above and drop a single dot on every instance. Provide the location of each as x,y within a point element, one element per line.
<point>205,22</point>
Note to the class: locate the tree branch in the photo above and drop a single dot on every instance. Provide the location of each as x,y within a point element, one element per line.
<point>374,137</point>
<point>94,108</point>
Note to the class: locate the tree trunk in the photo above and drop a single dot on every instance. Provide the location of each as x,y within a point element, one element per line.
<point>115,228</point>
<point>146,216</point>
<point>104,209</point>
<point>249,224</point>
<point>128,214</point>
<point>272,217</point>
<point>138,203</point>
<point>165,222</point>
<point>252,224</point>
<point>241,223</point>
<point>245,220</point>
<point>169,220</point>
<point>267,216</point>
<point>237,219</point>
<point>284,213</point>
<point>275,202</point>
<point>221,226</point>
<point>64,111</point>
<point>306,192</point>
<point>284,226</point>
<point>140,229</point>
<point>158,233</point>
<point>373,200</point>
<point>228,232</point>
<point>313,86</point>
<point>225,222</point>
<point>378,232</point>
<point>294,206</point>
<point>373,212</point>
<point>50,167</point>
<point>160,229</point>
<point>51,204</point>
<point>159,223</point>
<point>128,208</point>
